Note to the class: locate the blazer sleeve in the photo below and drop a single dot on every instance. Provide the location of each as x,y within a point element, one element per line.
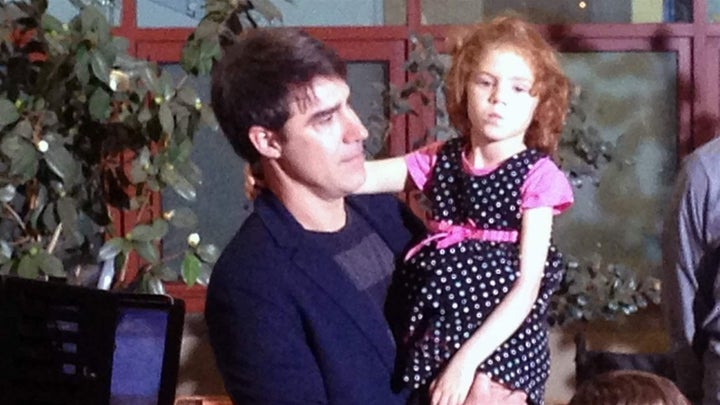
<point>257,338</point>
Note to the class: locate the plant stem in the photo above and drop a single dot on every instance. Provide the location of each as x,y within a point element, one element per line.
<point>55,237</point>
<point>15,216</point>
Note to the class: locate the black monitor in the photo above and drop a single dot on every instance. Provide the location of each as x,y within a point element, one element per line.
<point>67,345</point>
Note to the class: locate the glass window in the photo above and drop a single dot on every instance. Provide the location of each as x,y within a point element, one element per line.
<point>64,10</point>
<point>558,11</point>
<point>221,205</point>
<point>713,10</point>
<point>627,99</point>
<point>187,13</point>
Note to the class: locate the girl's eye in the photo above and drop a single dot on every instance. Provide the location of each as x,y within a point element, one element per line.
<point>521,89</point>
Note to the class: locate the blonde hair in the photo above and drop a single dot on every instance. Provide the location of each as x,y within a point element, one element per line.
<point>551,86</point>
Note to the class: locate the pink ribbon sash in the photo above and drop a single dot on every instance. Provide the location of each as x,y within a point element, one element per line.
<point>445,234</point>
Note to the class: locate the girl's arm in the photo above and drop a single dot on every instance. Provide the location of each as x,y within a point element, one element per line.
<point>385,176</point>
<point>453,384</point>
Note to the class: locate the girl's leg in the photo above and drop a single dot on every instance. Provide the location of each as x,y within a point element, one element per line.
<point>485,391</point>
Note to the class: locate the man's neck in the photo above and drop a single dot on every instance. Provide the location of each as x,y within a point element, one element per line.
<point>313,212</point>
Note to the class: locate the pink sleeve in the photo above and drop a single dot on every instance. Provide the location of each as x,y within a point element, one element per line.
<point>547,186</point>
<point>420,163</point>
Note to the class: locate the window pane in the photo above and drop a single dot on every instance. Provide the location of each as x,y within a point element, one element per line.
<point>558,11</point>
<point>629,100</point>
<point>187,13</point>
<point>221,205</point>
<point>713,10</point>
<point>65,11</point>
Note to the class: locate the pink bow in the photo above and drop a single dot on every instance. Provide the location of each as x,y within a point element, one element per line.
<point>445,234</point>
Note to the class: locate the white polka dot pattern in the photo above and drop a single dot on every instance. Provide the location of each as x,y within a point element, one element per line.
<point>451,291</point>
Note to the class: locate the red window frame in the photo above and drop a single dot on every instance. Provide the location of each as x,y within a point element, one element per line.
<point>696,44</point>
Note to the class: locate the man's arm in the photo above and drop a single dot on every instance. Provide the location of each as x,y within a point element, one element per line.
<point>683,249</point>
<point>260,345</point>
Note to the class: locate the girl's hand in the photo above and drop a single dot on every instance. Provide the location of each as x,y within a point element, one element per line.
<point>253,183</point>
<point>451,387</point>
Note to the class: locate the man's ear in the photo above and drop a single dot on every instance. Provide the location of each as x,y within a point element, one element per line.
<point>266,142</point>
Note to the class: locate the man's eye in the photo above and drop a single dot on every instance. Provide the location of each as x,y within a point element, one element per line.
<point>326,118</point>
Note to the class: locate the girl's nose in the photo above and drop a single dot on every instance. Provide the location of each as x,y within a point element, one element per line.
<point>498,94</point>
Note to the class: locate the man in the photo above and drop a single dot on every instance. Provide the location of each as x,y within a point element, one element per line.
<point>691,286</point>
<point>295,303</point>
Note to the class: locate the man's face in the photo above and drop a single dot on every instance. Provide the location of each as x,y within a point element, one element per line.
<point>323,140</point>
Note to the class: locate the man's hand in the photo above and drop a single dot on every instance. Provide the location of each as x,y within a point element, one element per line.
<point>485,391</point>
<point>451,387</point>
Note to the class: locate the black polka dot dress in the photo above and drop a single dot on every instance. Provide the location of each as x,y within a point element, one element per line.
<point>451,290</point>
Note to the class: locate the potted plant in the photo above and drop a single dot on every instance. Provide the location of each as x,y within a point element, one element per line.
<point>88,138</point>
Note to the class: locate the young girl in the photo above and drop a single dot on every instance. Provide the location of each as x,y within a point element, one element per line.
<point>479,285</point>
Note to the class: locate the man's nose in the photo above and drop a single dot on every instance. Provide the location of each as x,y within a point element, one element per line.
<point>355,130</point>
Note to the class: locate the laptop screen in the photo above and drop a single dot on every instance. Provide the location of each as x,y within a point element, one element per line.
<point>138,357</point>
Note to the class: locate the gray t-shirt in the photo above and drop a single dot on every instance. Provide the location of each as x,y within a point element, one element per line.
<point>363,255</point>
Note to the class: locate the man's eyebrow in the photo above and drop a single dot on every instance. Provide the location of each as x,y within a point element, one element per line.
<point>323,113</point>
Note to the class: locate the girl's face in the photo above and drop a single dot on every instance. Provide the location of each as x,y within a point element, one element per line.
<point>500,106</point>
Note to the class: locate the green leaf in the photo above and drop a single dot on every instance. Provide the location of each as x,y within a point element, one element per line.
<point>67,212</point>
<point>100,66</point>
<point>167,121</point>
<point>28,267</point>
<point>82,68</point>
<point>8,113</point>
<point>24,159</point>
<point>7,193</point>
<point>63,163</point>
<point>23,129</point>
<point>99,104</point>
<point>190,269</point>
<point>147,251</point>
<point>149,77</point>
<point>50,265</point>
<point>160,228</point>
<point>181,185</point>
<point>204,276</point>
<point>163,272</point>
<point>6,251</point>
<point>187,95</point>
<point>183,217</point>
<point>50,23</point>
<point>208,253</point>
<point>155,285</point>
<point>208,116</point>
<point>110,249</point>
<point>143,233</point>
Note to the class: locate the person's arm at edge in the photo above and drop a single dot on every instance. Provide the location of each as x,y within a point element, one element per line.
<point>682,251</point>
<point>509,314</point>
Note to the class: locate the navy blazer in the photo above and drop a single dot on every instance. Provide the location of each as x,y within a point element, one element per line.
<point>288,326</point>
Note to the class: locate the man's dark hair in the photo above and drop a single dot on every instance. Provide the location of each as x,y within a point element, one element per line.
<point>252,82</point>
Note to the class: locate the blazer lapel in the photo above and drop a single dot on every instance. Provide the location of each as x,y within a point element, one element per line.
<point>358,306</point>
<point>328,276</point>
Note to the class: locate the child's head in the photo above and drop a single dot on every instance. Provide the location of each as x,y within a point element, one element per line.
<point>550,85</point>
<point>628,387</point>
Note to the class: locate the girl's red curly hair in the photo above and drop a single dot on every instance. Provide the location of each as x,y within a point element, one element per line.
<point>551,85</point>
